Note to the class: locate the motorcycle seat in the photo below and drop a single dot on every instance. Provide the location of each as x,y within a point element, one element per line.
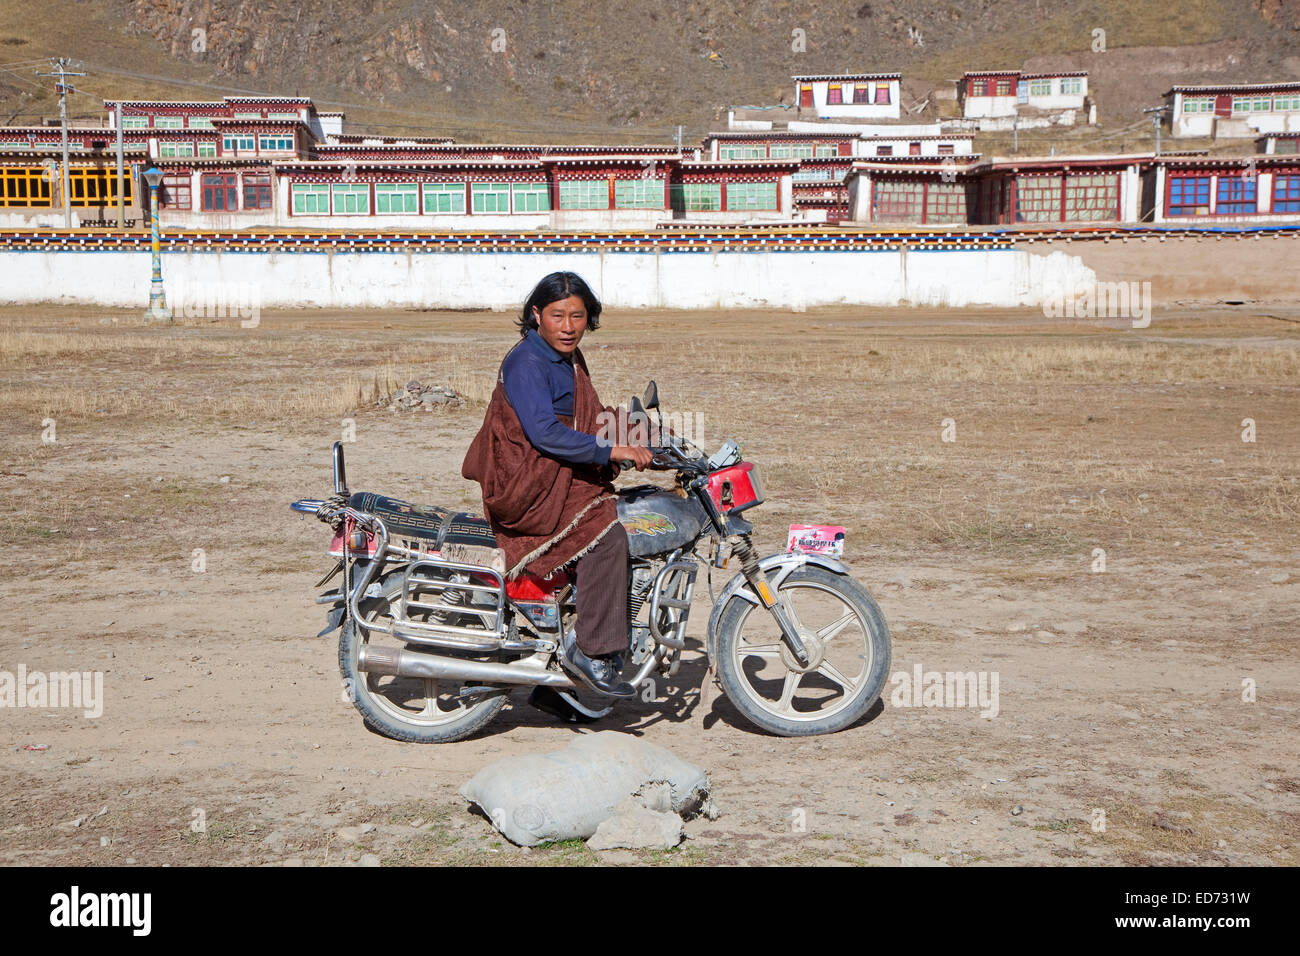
<point>427,523</point>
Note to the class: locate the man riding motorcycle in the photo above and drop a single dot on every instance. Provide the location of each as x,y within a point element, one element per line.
<point>547,479</point>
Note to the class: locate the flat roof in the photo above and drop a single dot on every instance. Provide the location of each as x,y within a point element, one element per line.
<point>220,104</point>
<point>848,76</point>
<point>1237,87</point>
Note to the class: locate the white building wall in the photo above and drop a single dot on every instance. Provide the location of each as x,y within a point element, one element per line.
<point>668,279</point>
<point>845,110</point>
<point>867,129</point>
<point>866,148</point>
<point>984,107</point>
<point>1130,192</point>
<point>1056,100</point>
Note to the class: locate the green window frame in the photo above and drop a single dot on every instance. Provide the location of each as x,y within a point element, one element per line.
<point>201,122</point>
<point>805,151</point>
<point>584,194</point>
<point>169,122</point>
<point>1198,104</point>
<point>175,150</point>
<point>638,194</point>
<point>350,199</point>
<point>397,198</point>
<point>696,197</point>
<point>825,151</point>
<point>490,197</point>
<point>531,197</point>
<point>745,151</point>
<point>310,199</point>
<point>135,122</point>
<point>751,195</point>
<point>1286,101</point>
<point>208,149</point>
<point>1042,87</point>
<point>1071,85</point>
<point>232,142</point>
<point>280,143</point>
<point>444,198</point>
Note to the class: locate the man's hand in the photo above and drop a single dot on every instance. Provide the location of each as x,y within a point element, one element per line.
<point>640,457</point>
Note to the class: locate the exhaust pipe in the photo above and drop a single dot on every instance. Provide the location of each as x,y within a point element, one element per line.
<point>398,662</point>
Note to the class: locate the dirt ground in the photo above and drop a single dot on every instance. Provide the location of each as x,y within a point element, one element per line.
<point>1157,697</point>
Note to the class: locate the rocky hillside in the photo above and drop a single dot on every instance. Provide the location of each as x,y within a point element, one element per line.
<point>616,70</point>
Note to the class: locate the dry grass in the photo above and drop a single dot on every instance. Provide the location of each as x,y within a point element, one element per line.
<point>1068,438</point>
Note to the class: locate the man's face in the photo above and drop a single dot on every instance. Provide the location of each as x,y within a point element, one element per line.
<point>562,323</point>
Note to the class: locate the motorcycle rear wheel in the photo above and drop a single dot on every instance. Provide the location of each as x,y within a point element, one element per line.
<point>847,638</point>
<point>410,709</point>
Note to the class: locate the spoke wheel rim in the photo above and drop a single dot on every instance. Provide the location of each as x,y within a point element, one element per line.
<point>839,633</point>
<point>434,705</point>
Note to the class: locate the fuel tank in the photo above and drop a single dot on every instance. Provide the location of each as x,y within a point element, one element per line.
<point>657,520</point>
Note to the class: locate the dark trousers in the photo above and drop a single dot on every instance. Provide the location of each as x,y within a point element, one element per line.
<point>602,595</point>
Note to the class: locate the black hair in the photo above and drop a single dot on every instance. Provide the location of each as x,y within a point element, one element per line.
<point>557,286</point>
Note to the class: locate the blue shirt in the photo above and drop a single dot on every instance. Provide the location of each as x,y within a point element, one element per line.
<point>539,384</point>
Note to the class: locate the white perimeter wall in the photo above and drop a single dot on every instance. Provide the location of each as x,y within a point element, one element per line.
<point>670,280</point>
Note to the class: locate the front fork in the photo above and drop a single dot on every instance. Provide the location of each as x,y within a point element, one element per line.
<point>744,550</point>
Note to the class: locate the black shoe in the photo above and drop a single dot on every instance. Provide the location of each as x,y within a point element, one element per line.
<point>546,699</point>
<point>598,673</point>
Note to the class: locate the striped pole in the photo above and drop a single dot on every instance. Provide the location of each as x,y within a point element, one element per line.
<point>157,310</point>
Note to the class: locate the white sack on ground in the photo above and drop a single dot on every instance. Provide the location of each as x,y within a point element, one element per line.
<point>565,795</point>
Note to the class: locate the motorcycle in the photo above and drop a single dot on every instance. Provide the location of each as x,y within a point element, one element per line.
<point>434,636</point>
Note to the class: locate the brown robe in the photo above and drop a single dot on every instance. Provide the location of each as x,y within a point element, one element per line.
<point>545,512</point>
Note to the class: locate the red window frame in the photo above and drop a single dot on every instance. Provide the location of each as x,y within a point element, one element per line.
<point>176,191</point>
<point>834,95</point>
<point>1188,186</point>
<point>257,190</point>
<point>882,94</point>
<point>861,93</point>
<point>224,185</point>
<point>1236,196</point>
<point>1286,191</point>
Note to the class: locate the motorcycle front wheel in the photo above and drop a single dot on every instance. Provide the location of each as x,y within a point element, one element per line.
<point>848,644</point>
<point>410,709</point>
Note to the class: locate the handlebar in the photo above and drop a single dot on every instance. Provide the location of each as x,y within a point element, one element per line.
<point>671,458</point>
<point>331,511</point>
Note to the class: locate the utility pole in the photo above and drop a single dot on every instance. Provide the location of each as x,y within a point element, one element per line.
<point>679,138</point>
<point>1155,112</point>
<point>61,65</point>
<point>1015,131</point>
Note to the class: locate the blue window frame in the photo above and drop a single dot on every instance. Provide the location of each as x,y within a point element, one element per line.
<point>1235,196</point>
<point>1286,193</point>
<point>1189,196</point>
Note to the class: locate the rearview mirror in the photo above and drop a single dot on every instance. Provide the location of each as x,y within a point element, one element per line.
<point>652,395</point>
<point>340,470</point>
